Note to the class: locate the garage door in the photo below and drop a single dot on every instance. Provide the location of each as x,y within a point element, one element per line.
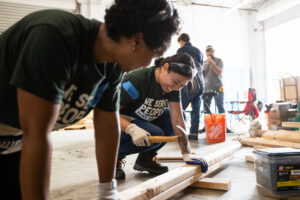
<point>13,10</point>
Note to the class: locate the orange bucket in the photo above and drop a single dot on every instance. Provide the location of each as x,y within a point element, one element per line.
<point>215,127</point>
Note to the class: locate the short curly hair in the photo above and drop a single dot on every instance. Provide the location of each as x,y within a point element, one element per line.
<point>156,19</point>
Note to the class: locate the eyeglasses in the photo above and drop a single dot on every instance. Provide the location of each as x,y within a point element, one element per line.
<point>163,14</point>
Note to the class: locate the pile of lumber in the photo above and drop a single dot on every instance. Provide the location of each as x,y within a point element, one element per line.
<point>172,182</point>
<point>279,138</point>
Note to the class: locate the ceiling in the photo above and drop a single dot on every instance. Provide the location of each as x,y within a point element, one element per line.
<point>242,4</point>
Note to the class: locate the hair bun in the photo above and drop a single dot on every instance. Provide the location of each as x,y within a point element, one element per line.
<point>158,61</point>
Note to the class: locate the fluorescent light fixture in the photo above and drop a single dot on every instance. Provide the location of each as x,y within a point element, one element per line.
<point>236,7</point>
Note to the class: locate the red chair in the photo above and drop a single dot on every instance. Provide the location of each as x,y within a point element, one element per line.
<point>250,110</point>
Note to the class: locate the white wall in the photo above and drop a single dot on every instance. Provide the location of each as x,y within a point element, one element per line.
<point>230,37</point>
<point>236,39</point>
<point>281,22</point>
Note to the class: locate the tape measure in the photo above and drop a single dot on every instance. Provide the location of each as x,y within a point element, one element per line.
<point>221,89</point>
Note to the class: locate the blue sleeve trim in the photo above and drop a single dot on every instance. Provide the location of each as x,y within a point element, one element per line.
<point>130,89</point>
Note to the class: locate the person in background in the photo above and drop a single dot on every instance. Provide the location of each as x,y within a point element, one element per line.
<point>212,71</point>
<point>192,92</point>
<point>150,105</point>
<point>55,67</point>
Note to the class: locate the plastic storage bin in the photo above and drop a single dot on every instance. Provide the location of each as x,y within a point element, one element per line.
<point>215,127</point>
<point>278,171</point>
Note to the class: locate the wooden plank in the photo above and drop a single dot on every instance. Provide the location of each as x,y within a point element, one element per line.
<point>266,142</point>
<point>212,183</point>
<point>186,183</point>
<point>161,159</point>
<point>291,124</point>
<point>282,135</point>
<point>159,184</point>
<point>260,147</point>
<point>79,126</point>
<point>249,158</point>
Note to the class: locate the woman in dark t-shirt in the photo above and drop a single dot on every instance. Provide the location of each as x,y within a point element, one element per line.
<point>150,105</point>
<point>57,66</point>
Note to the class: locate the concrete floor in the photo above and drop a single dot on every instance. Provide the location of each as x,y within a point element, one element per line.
<point>74,170</point>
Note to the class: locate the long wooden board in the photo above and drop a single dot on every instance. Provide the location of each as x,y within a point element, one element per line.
<point>212,183</point>
<point>249,158</point>
<point>186,183</point>
<point>266,142</point>
<point>291,124</point>
<point>164,182</point>
<point>282,135</point>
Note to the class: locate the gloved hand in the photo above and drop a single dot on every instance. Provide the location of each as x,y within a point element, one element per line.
<point>196,161</point>
<point>138,135</point>
<point>108,191</point>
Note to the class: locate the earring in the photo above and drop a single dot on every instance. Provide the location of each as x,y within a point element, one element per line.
<point>133,48</point>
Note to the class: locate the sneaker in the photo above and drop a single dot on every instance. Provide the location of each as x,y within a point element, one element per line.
<point>120,174</point>
<point>145,162</point>
<point>193,137</point>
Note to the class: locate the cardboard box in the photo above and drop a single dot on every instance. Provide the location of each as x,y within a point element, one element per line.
<point>275,122</point>
<point>283,115</point>
<point>281,106</point>
<point>290,91</point>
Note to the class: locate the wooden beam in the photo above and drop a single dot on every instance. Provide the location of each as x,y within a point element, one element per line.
<point>282,135</point>
<point>292,125</point>
<point>159,184</point>
<point>260,147</point>
<point>266,142</point>
<point>186,183</point>
<point>212,183</point>
<point>249,158</point>
<point>161,159</point>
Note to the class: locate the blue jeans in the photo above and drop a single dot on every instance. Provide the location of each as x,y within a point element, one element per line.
<point>219,100</point>
<point>161,126</point>
<point>193,96</point>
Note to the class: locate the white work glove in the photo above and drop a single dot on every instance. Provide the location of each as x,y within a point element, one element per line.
<point>108,191</point>
<point>138,135</point>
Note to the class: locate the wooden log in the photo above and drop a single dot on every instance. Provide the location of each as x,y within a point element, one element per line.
<point>212,183</point>
<point>184,184</point>
<point>266,142</point>
<point>282,135</point>
<point>159,184</point>
<point>291,124</point>
<point>249,158</point>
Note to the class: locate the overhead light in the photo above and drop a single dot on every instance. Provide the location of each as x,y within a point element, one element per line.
<point>236,7</point>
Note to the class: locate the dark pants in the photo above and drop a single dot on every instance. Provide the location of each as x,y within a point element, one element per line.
<point>192,95</point>
<point>10,176</point>
<point>161,126</point>
<point>219,101</point>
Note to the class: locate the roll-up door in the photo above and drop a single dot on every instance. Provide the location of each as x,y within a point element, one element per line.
<point>13,10</point>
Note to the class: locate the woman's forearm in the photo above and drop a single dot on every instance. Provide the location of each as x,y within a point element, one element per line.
<point>35,167</point>
<point>107,136</point>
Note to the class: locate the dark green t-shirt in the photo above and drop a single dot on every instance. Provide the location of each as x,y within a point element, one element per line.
<point>142,97</point>
<point>50,54</point>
